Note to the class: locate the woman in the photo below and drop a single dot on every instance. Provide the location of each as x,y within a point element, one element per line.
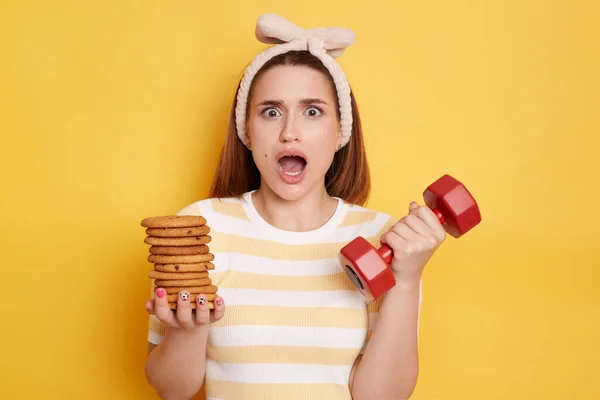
<point>286,197</point>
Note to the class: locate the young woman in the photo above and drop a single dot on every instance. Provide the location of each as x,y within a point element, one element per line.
<point>287,195</point>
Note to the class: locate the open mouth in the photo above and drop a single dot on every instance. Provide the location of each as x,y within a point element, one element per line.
<point>291,165</point>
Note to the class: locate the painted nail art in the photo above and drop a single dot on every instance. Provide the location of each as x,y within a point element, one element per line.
<point>201,299</point>
<point>219,302</point>
<point>184,296</point>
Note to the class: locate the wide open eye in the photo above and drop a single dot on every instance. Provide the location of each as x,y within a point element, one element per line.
<point>314,111</point>
<point>271,112</point>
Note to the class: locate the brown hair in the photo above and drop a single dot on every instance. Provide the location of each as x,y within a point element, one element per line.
<point>348,176</point>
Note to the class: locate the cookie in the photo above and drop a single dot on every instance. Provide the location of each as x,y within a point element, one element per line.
<point>179,250</point>
<point>177,275</point>
<point>211,305</point>
<point>164,283</point>
<point>185,241</point>
<point>198,267</point>
<point>193,259</point>
<point>172,298</point>
<point>173,221</point>
<point>192,289</point>
<point>178,232</point>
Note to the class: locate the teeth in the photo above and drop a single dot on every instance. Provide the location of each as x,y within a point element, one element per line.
<point>289,173</point>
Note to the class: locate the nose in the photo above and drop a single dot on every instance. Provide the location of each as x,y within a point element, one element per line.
<point>289,131</point>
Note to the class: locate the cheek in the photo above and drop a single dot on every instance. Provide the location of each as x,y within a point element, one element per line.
<point>262,135</point>
<point>324,141</point>
<point>334,130</point>
<point>324,130</point>
<point>324,151</point>
<point>260,151</point>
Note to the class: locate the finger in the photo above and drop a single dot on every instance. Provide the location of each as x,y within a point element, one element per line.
<point>395,241</point>
<point>409,241</point>
<point>432,221</point>
<point>202,310</point>
<point>415,223</point>
<point>385,238</point>
<point>428,237</point>
<point>162,310</point>
<point>404,231</point>
<point>150,306</point>
<point>412,206</point>
<point>219,310</point>
<point>184,310</point>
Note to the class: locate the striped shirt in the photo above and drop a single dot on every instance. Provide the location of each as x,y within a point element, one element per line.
<point>294,323</point>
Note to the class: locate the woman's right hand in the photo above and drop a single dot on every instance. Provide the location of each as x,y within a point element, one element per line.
<point>184,317</point>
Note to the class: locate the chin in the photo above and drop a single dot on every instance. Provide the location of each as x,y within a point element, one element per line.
<point>289,192</point>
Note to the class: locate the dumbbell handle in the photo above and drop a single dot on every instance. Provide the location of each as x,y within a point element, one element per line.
<point>386,252</point>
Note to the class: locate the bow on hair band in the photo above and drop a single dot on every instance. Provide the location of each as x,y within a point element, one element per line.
<point>324,43</point>
<point>273,29</point>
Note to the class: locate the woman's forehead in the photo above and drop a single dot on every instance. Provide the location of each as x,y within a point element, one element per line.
<point>291,83</point>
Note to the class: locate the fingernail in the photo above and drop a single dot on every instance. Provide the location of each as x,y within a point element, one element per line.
<point>160,293</point>
<point>219,301</point>
<point>201,299</point>
<point>184,295</point>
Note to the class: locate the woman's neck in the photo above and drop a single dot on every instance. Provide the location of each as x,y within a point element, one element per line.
<point>305,214</point>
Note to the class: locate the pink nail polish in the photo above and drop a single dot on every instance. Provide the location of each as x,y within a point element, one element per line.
<point>219,301</point>
<point>160,293</point>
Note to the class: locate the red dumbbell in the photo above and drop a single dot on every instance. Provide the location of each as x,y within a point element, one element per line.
<point>369,269</point>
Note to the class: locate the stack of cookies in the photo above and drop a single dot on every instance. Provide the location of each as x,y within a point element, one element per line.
<point>181,256</point>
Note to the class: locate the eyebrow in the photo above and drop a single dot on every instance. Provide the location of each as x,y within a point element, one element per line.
<point>302,101</point>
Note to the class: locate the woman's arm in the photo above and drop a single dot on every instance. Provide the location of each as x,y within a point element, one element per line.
<point>388,369</point>
<point>390,365</point>
<point>176,367</point>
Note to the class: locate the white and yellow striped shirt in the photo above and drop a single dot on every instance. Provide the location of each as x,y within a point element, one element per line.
<point>294,323</point>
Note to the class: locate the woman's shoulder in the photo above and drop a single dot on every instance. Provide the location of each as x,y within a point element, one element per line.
<point>364,217</point>
<point>214,208</point>
<point>367,211</point>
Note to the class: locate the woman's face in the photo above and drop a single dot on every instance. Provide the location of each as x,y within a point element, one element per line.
<point>294,130</point>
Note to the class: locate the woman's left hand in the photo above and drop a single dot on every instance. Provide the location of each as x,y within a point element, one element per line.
<point>413,241</point>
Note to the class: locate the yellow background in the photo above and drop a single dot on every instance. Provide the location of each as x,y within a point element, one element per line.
<point>112,111</point>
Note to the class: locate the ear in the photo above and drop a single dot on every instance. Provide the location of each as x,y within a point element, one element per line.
<point>248,140</point>
<point>339,141</point>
